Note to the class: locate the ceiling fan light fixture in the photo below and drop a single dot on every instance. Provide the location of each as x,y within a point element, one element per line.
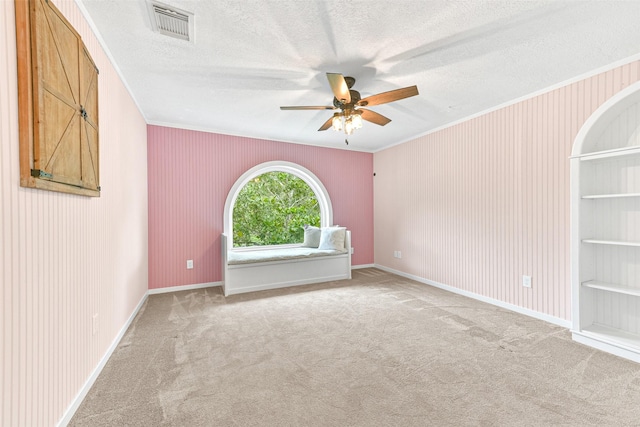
<point>347,121</point>
<point>336,123</point>
<point>348,125</point>
<point>345,99</point>
<point>356,119</point>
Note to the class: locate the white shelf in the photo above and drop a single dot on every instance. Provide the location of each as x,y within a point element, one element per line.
<point>605,236</point>
<point>613,336</point>
<point>611,242</point>
<point>612,287</point>
<point>611,196</point>
<point>616,152</point>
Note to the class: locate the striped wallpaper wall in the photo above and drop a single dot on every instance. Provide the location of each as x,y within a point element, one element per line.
<point>478,205</point>
<point>190,175</point>
<point>65,258</point>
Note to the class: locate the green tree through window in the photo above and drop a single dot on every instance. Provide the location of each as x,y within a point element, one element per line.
<point>272,208</point>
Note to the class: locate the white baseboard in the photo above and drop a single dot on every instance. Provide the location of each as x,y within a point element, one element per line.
<point>522,310</point>
<point>183,288</point>
<point>75,404</point>
<point>356,267</point>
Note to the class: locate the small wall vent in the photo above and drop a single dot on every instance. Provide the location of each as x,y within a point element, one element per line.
<point>171,21</point>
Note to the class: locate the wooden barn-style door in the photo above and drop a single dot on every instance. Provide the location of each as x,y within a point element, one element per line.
<point>59,127</point>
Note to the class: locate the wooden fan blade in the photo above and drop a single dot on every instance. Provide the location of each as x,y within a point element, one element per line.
<point>302,107</point>
<point>373,117</point>
<point>339,87</point>
<point>392,95</point>
<point>326,125</point>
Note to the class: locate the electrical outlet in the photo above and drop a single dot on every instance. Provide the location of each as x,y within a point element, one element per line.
<point>189,264</point>
<point>399,254</point>
<point>526,281</point>
<point>353,251</point>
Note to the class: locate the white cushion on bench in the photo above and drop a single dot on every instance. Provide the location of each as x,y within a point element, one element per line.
<point>263,255</point>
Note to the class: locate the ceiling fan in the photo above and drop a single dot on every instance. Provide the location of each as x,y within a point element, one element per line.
<point>349,102</point>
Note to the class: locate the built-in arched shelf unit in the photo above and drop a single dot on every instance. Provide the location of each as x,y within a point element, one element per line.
<point>605,227</point>
<point>324,201</point>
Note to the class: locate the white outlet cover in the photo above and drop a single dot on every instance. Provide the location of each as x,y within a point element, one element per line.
<point>526,281</point>
<point>189,264</point>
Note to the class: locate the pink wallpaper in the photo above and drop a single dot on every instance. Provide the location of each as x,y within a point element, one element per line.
<point>190,175</point>
<point>480,204</point>
<point>66,258</point>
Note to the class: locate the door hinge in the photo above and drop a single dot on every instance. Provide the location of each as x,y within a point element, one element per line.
<point>37,173</point>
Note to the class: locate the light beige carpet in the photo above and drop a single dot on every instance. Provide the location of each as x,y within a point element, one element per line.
<point>379,350</point>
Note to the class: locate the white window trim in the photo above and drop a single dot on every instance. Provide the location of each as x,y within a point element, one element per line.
<point>324,201</point>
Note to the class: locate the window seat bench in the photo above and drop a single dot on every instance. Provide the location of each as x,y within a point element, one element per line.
<point>251,269</point>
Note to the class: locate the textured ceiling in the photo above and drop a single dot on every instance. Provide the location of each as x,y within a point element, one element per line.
<point>251,56</point>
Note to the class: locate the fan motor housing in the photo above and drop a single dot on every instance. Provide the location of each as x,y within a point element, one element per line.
<point>355,97</point>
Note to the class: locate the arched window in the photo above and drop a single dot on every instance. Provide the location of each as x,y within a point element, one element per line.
<point>266,170</point>
<point>272,209</point>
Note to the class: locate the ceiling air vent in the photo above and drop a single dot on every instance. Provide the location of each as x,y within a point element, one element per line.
<point>171,21</point>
